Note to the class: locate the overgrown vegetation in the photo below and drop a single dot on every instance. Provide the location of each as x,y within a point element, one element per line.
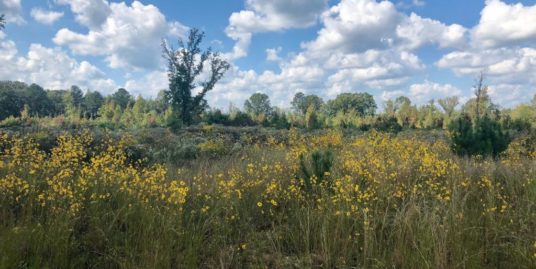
<point>308,200</point>
<point>473,126</point>
<point>171,183</point>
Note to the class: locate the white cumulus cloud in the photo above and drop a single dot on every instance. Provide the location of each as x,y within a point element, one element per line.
<point>90,13</point>
<point>46,16</point>
<point>51,68</point>
<point>12,10</point>
<point>129,36</point>
<point>505,24</point>
<point>268,16</point>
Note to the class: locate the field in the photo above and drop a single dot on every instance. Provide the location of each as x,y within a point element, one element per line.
<point>262,198</point>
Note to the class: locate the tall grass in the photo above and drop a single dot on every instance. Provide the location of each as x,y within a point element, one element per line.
<point>383,202</point>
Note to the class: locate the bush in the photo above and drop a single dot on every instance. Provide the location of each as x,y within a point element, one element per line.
<point>315,169</point>
<point>11,121</point>
<point>215,117</point>
<point>213,147</point>
<point>485,137</point>
<point>241,119</point>
<point>387,124</point>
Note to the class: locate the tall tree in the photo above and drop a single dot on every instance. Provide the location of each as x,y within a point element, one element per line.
<point>389,107</point>
<point>37,99</point>
<point>121,98</point>
<point>56,97</point>
<point>77,96</point>
<point>401,101</point>
<point>184,66</point>
<point>10,103</point>
<point>161,102</point>
<point>258,104</point>
<point>448,104</point>
<point>302,102</point>
<point>406,113</point>
<point>92,103</point>
<point>362,103</point>
<point>481,94</point>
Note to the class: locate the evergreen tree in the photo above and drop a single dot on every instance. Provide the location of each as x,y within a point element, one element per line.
<point>485,136</point>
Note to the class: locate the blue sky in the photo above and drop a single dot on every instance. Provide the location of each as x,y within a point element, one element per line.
<point>423,49</point>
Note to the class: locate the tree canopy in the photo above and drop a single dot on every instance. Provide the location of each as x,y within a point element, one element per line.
<point>121,98</point>
<point>448,104</point>
<point>258,104</point>
<point>302,102</point>
<point>185,64</point>
<point>362,103</point>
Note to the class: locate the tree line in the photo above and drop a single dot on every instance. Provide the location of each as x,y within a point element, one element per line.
<point>347,110</point>
<point>193,72</point>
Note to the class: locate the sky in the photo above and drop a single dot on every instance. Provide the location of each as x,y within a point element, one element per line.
<point>423,49</point>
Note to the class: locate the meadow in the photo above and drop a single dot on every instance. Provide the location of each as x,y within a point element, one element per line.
<point>283,199</point>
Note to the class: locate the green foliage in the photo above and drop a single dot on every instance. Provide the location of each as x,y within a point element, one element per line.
<point>161,102</point>
<point>407,114</point>
<point>301,102</point>
<point>386,123</point>
<point>448,104</point>
<point>258,104</point>
<point>311,118</point>
<point>56,97</point>
<point>11,122</point>
<point>213,148</point>
<point>215,116</point>
<point>183,69</point>
<point>278,119</point>
<point>315,169</point>
<point>121,98</point>
<point>77,96</point>
<point>239,118</point>
<point>92,103</point>
<point>10,103</point>
<point>357,223</point>
<point>484,137</point>
<point>524,114</point>
<point>362,103</point>
<point>36,98</point>
<point>430,117</point>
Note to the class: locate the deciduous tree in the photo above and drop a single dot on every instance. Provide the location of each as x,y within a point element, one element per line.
<point>121,98</point>
<point>448,104</point>
<point>185,65</point>
<point>302,102</point>
<point>258,104</point>
<point>362,103</point>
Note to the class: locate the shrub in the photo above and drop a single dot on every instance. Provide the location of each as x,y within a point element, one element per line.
<point>485,137</point>
<point>387,124</point>
<point>10,122</point>
<point>213,147</point>
<point>315,169</point>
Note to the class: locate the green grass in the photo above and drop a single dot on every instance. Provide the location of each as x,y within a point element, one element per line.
<point>414,232</point>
